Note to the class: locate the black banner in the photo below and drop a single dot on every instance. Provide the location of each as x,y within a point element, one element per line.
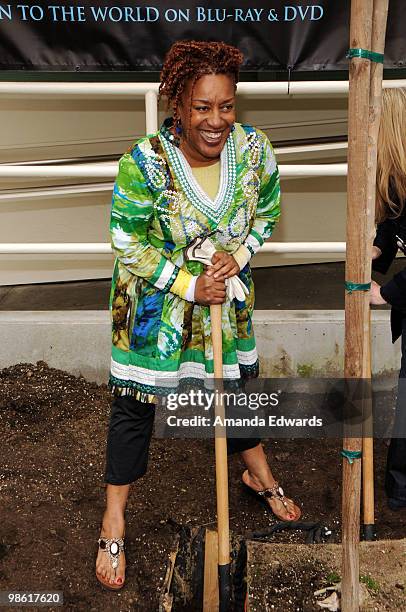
<point>123,35</point>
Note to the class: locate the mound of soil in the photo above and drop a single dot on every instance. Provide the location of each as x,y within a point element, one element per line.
<point>53,432</point>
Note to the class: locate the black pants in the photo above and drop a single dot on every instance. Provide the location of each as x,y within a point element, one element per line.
<point>129,435</point>
<point>395,481</point>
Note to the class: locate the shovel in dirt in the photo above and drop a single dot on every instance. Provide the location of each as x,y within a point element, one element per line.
<point>221,475</point>
<point>198,571</point>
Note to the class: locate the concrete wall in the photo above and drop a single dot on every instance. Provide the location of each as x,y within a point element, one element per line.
<point>290,343</point>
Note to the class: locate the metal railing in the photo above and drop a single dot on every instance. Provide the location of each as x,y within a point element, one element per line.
<point>99,248</point>
<point>108,170</point>
<point>131,90</point>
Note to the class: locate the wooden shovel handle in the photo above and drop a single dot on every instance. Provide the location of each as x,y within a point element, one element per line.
<point>217,341</point>
<point>220,440</point>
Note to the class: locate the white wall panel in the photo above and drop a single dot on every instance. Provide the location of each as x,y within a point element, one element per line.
<point>33,129</point>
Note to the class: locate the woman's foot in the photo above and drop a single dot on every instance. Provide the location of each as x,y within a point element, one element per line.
<point>113,578</point>
<point>290,512</point>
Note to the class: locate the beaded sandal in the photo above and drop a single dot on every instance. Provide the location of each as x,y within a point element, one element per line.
<point>275,491</point>
<point>113,547</point>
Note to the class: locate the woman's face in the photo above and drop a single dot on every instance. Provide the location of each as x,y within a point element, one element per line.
<point>206,118</point>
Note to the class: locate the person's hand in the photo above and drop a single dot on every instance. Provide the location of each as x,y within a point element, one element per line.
<point>209,290</point>
<point>224,266</point>
<point>376,252</point>
<point>375,297</point>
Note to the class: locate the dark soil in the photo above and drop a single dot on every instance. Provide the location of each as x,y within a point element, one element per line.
<point>298,577</point>
<point>295,589</point>
<point>53,428</point>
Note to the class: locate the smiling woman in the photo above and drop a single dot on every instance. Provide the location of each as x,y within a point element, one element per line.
<point>203,183</point>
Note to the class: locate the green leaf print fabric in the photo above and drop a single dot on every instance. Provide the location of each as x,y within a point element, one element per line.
<point>158,337</point>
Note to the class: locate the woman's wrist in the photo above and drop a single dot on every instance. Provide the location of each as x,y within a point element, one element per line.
<point>382,296</point>
<point>190,293</point>
<point>242,256</point>
<point>181,284</point>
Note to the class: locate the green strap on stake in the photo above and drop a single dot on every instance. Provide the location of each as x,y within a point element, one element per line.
<point>351,455</point>
<point>350,287</point>
<point>365,54</point>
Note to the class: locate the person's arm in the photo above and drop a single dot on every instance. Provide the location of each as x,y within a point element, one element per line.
<point>268,207</point>
<point>375,296</point>
<point>394,292</point>
<point>385,241</point>
<point>131,214</point>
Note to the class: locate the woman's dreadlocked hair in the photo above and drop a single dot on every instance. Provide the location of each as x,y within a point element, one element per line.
<point>191,59</point>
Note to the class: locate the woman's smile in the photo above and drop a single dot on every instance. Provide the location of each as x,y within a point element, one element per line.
<point>213,138</point>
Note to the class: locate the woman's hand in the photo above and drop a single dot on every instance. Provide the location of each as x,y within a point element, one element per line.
<point>376,252</point>
<point>224,266</point>
<point>209,291</point>
<point>375,297</point>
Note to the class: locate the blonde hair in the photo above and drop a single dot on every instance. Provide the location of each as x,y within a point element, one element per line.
<point>391,168</point>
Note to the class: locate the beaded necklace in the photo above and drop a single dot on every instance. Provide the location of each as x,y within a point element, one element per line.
<point>213,209</point>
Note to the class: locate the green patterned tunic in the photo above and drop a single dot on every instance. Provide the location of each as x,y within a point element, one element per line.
<point>158,209</point>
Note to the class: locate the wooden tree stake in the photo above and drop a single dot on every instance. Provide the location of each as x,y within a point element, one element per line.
<point>360,224</point>
<point>379,19</point>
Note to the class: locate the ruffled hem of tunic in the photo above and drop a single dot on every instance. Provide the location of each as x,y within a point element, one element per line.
<point>120,389</point>
<point>142,393</point>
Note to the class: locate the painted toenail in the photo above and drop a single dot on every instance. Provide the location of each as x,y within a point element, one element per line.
<point>119,580</point>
